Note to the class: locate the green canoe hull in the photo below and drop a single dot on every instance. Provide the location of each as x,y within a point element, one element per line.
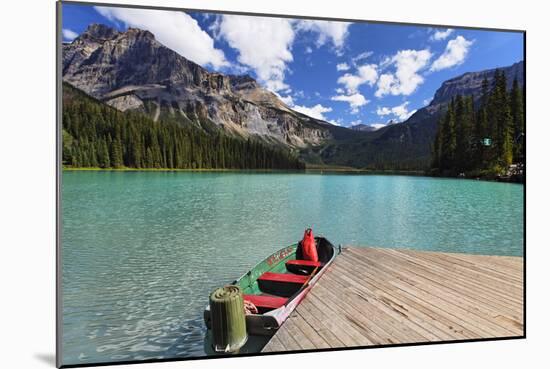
<point>266,324</point>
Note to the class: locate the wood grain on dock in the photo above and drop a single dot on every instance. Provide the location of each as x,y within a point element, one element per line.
<point>378,296</point>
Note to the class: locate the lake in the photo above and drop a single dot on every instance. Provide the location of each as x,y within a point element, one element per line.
<point>143,250</point>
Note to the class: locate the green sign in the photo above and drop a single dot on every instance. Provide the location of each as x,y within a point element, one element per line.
<point>487,142</point>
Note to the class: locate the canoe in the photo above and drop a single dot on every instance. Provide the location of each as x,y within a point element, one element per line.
<point>278,284</point>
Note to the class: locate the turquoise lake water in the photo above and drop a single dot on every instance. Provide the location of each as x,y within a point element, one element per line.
<point>142,250</point>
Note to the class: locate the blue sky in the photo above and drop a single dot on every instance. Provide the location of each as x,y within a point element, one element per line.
<point>345,73</point>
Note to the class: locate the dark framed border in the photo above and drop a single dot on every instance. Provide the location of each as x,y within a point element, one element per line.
<point>59,172</point>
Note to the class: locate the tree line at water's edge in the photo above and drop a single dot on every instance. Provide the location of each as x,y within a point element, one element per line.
<point>482,138</point>
<point>97,135</point>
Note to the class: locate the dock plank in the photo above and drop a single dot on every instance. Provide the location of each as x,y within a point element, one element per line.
<point>376,296</point>
<point>449,283</point>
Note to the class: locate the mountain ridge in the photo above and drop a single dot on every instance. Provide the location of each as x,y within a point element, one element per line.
<point>101,62</point>
<point>112,139</point>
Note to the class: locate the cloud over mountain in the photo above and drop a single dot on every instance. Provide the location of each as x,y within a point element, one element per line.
<point>455,53</point>
<point>263,44</point>
<point>355,101</point>
<point>401,112</point>
<point>333,31</point>
<point>406,78</point>
<point>366,74</point>
<point>175,29</point>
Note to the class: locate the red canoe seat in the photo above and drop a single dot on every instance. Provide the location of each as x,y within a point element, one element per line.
<point>304,263</point>
<point>283,277</point>
<point>266,302</point>
<point>302,266</point>
<point>281,284</point>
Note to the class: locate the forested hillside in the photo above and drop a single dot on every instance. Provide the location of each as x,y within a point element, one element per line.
<point>482,140</point>
<point>97,135</point>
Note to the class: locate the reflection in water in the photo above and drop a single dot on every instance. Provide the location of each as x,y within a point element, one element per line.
<point>142,250</point>
<point>253,344</point>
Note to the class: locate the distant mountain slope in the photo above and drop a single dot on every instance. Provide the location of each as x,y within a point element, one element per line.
<point>131,70</point>
<point>470,83</point>
<point>407,145</point>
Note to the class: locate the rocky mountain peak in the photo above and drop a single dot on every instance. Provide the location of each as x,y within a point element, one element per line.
<point>131,70</point>
<point>139,33</point>
<point>470,83</point>
<point>243,82</point>
<point>99,32</point>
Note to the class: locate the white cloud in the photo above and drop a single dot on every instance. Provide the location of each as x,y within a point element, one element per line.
<point>383,111</point>
<point>264,44</point>
<point>175,29</point>
<point>288,100</point>
<point>365,74</point>
<point>299,93</point>
<point>68,34</point>
<point>427,101</point>
<point>385,63</point>
<point>401,112</point>
<point>385,84</point>
<point>336,32</point>
<point>316,111</point>
<point>363,55</point>
<point>342,66</point>
<point>406,79</point>
<point>455,53</point>
<point>355,101</point>
<point>338,122</point>
<point>440,34</point>
<point>377,125</point>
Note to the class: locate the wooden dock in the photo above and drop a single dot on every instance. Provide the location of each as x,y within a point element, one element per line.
<point>379,296</point>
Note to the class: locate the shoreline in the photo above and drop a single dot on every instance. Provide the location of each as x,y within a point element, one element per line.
<point>342,170</point>
<point>310,170</point>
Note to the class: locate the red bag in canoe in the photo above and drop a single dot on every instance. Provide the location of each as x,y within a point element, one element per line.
<point>309,250</point>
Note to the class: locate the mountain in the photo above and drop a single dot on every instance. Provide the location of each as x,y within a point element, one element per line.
<point>407,145</point>
<point>466,84</point>
<point>132,71</point>
<point>470,83</point>
<point>98,135</point>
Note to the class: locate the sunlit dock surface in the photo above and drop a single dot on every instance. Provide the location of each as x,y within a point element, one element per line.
<point>380,296</point>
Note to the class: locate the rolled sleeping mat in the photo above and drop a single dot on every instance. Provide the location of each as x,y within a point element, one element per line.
<point>228,319</point>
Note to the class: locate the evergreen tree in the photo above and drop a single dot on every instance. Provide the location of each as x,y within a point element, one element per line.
<point>68,142</point>
<point>481,134</point>
<point>437,147</point>
<point>116,153</point>
<point>484,139</point>
<point>504,122</point>
<point>518,119</point>
<point>103,154</point>
<point>448,152</point>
